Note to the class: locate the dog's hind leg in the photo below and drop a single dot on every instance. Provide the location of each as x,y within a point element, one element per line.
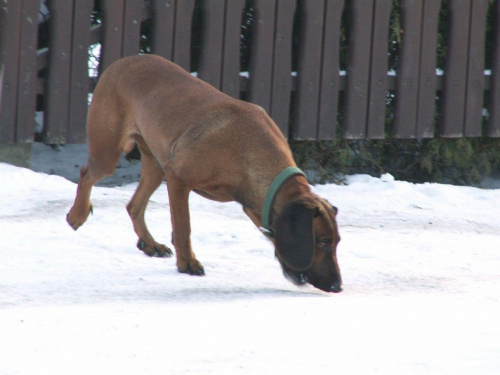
<point>152,175</point>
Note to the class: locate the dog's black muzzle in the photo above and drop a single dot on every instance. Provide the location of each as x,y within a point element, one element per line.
<point>300,278</point>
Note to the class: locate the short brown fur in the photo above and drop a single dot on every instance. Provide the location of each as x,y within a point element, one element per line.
<point>197,139</point>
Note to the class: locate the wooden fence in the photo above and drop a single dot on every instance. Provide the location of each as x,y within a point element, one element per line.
<point>294,68</point>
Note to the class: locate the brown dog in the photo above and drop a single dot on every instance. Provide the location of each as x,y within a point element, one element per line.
<point>202,140</point>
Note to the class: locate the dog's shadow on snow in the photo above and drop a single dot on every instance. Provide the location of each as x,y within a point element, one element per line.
<point>57,296</point>
<point>231,294</point>
<point>212,294</point>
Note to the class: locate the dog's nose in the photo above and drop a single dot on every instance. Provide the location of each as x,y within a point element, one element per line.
<point>336,288</point>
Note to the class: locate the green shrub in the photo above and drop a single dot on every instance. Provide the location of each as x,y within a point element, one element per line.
<point>457,161</point>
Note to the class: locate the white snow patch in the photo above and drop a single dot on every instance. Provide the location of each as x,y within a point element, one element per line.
<point>420,265</point>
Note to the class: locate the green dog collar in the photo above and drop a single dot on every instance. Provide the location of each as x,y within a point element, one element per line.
<point>271,195</point>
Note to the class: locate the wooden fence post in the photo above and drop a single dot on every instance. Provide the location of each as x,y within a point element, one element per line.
<point>330,70</point>
<point>132,27</point>
<point>375,122</point>
<point>28,72</point>
<point>112,40</point>
<point>210,69</point>
<point>18,56</point>
<point>261,60</point>
<point>494,120</point>
<point>426,109</point>
<point>59,72</point>
<point>10,24</point>
<point>475,70</point>
<point>464,76</point>
<point>79,89</point>
<point>309,70</point>
<point>282,65</point>
<point>231,56</point>
<point>358,70</point>
<point>163,27</point>
<point>367,70</point>
<point>183,25</point>
<point>416,76</point>
<point>456,69</point>
<point>1,64</point>
<point>1,84</point>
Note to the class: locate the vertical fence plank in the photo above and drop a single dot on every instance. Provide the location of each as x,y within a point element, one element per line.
<point>1,64</point>
<point>163,29</point>
<point>28,72</point>
<point>405,117</point>
<point>210,69</point>
<point>358,69</point>
<point>405,121</point>
<point>79,88</point>
<point>456,69</point>
<point>330,80</point>
<point>183,24</point>
<point>475,69</point>
<point>494,120</point>
<point>57,103</point>
<point>10,24</point>
<point>111,50</point>
<point>309,70</point>
<point>231,57</point>
<point>427,76</point>
<point>261,60</point>
<point>282,65</point>
<point>1,82</point>
<point>132,27</point>
<point>378,70</point>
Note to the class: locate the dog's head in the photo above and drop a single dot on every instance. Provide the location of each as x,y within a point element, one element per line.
<point>306,238</point>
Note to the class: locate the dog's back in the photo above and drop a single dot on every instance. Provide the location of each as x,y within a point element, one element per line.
<point>181,118</point>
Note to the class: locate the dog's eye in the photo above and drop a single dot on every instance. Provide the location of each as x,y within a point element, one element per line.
<point>325,244</point>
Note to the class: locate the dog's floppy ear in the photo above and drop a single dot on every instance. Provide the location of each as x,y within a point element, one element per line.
<point>294,235</point>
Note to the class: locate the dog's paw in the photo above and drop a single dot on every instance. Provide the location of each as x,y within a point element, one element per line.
<point>193,268</point>
<point>154,250</point>
<point>76,218</point>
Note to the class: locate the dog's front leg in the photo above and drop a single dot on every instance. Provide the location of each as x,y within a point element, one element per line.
<point>178,194</point>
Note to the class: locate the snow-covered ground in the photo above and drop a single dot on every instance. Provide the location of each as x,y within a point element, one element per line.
<point>420,265</point>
